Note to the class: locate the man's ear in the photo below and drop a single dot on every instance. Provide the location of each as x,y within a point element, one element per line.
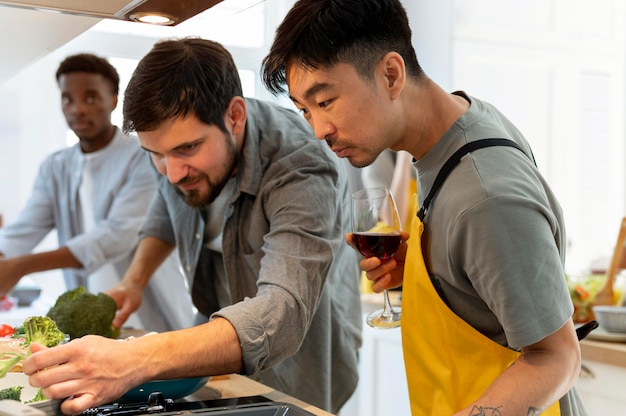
<point>236,115</point>
<point>394,72</point>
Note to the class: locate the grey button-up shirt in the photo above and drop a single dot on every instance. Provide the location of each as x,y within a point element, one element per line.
<point>293,279</point>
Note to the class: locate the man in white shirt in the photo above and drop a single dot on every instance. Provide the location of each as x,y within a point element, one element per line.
<point>95,194</point>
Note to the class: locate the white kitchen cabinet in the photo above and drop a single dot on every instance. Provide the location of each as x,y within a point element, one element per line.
<point>602,388</point>
<point>382,388</point>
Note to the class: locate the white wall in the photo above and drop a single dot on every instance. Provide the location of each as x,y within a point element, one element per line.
<point>557,68</point>
<point>31,127</point>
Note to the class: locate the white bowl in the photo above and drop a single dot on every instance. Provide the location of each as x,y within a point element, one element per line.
<point>611,318</point>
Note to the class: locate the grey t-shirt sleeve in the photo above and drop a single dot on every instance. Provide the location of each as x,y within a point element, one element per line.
<point>515,267</point>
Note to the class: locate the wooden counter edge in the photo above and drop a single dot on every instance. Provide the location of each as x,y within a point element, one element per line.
<point>235,385</point>
<point>612,353</point>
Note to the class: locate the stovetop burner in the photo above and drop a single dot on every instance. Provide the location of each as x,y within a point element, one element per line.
<point>241,406</point>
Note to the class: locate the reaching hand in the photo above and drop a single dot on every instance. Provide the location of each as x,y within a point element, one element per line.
<point>86,372</point>
<point>10,273</point>
<point>385,275</point>
<point>128,299</point>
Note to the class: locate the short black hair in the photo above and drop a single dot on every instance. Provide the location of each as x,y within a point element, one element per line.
<point>321,33</point>
<point>179,77</point>
<point>90,63</point>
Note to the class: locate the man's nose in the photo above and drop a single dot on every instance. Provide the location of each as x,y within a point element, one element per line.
<point>173,169</point>
<point>323,129</point>
<point>76,107</point>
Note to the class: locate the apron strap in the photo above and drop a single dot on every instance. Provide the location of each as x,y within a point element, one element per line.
<point>455,159</point>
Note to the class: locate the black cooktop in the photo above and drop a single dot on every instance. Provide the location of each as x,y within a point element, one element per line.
<point>241,406</point>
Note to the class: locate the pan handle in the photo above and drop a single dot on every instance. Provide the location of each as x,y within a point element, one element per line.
<point>584,330</point>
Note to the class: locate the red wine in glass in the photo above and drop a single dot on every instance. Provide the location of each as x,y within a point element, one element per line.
<point>378,245</point>
<point>377,232</point>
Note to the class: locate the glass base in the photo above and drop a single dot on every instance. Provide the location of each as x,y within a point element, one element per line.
<point>384,320</point>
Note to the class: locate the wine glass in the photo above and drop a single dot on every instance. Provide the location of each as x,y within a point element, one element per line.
<point>377,232</point>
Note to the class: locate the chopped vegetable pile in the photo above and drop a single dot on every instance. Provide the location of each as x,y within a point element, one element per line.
<point>39,329</point>
<point>75,313</point>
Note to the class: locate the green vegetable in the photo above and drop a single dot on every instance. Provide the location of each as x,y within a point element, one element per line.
<point>39,329</point>
<point>12,393</point>
<point>8,361</point>
<point>78,313</point>
<point>44,330</point>
<point>38,397</point>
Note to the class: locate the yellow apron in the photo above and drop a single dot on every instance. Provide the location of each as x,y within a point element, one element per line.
<point>445,358</point>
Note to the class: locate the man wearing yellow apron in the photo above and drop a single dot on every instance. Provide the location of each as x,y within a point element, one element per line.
<point>486,314</point>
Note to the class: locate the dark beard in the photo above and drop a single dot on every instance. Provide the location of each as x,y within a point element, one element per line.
<point>195,199</point>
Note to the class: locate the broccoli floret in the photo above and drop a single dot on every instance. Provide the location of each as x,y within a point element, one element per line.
<point>39,329</point>
<point>44,330</point>
<point>12,393</point>
<point>78,313</point>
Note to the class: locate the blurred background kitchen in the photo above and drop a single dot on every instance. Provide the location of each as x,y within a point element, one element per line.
<point>556,68</point>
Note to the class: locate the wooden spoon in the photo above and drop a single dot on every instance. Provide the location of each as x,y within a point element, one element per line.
<point>605,296</point>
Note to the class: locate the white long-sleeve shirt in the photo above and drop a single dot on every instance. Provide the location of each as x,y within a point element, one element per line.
<point>123,184</point>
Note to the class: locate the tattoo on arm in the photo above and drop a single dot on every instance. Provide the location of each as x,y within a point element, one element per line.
<point>497,411</point>
<point>486,411</point>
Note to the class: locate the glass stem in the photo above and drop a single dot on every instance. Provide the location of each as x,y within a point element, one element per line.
<point>387,308</point>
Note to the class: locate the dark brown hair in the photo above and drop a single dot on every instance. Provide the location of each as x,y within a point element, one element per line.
<point>179,77</point>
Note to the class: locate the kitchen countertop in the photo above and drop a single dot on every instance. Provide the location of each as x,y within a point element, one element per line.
<point>235,385</point>
<point>224,387</point>
<point>613,353</point>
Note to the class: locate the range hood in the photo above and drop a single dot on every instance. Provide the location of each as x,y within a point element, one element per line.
<point>132,10</point>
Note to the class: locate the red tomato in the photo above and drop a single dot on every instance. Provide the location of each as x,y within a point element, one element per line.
<point>6,303</point>
<point>6,330</point>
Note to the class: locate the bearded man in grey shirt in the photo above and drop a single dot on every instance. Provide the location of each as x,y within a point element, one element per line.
<point>257,209</point>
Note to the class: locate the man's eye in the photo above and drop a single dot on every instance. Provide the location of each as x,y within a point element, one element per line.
<point>90,100</point>
<point>188,147</point>
<point>302,111</point>
<point>324,104</point>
